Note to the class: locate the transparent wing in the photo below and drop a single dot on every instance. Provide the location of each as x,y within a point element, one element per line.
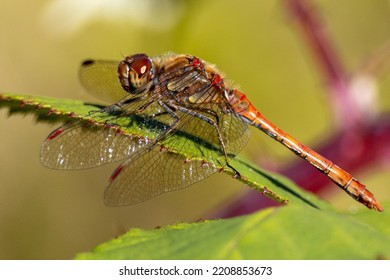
<point>105,136</point>
<point>202,135</point>
<point>164,150</point>
<point>153,172</point>
<point>77,146</point>
<point>99,78</point>
<point>185,156</point>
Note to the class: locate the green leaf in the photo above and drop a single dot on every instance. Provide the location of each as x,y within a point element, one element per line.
<point>54,109</point>
<point>300,231</point>
<point>295,232</point>
<point>46,108</point>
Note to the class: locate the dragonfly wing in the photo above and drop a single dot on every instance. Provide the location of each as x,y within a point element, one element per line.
<point>208,140</point>
<point>150,173</point>
<point>104,136</point>
<point>185,156</point>
<point>99,78</point>
<point>234,132</point>
<point>79,146</point>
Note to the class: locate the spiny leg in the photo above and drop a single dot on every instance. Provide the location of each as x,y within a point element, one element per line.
<point>194,113</point>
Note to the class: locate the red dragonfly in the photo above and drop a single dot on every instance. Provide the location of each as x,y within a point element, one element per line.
<point>160,98</point>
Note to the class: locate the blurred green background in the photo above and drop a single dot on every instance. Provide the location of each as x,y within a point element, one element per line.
<point>49,214</point>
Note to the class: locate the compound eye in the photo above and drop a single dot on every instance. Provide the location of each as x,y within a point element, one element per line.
<point>135,71</point>
<point>140,65</point>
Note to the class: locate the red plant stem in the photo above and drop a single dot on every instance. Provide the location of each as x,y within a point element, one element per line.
<point>367,138</point>
<point>318,41</point>
<point>370,146</point>
<point>346,113</point>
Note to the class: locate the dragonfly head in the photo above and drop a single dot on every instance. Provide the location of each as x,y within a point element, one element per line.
<point>135,71</point>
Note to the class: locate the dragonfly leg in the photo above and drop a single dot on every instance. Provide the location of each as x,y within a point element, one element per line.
<point>237,174</point>
<point>216,127</point>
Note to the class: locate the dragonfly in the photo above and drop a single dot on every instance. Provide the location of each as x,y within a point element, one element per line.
<point>173,121</point>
